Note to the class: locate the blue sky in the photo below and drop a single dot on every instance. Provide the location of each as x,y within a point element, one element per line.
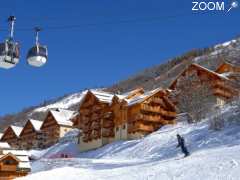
<point>114,39</point>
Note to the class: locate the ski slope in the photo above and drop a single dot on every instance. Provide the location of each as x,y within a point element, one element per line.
<point>214,155</point>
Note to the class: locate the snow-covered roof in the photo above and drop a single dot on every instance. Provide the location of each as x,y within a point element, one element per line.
<point>16,129</point>
<point>4,145</point>
<point>210,71</point>
<point>103,96</point>
<point>200,67</point>
<point>36,124</point>
<point>63,116</point>
<point>16,152</point>
<point>142,97</point>
<point>21,155</point>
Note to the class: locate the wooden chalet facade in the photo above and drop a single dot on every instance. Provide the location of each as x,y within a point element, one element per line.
<point>230,71</point>
<point>11,136</point>
<point>31,136</point>
<point>221,88</point>
<point>13,163</point>
<point>106,117</point>
<point>226,67</point>
<point>149,112</point>
<point>56,124</point>
<point>94,108</point>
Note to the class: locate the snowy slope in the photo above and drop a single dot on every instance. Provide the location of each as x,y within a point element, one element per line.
<point>63,103</point>
<point>214,155</point>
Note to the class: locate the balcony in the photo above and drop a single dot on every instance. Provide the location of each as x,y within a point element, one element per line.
<point>153,119</point>
<point>158,110</point>
<point>141,127</point>
<point>108,124</point>
<point>158,100</point>
<point>223,93</point>
<point>9,168</point>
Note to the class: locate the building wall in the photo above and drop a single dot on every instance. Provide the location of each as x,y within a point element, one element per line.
<point>86,146</point>
<point>64,130</point>
<point>136,135</point>
<point>121,132</point>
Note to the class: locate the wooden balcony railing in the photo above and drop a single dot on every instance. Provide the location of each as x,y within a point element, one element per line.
<point>221,92</point>
<point>154,119</point>
<point>158,100</point>
<point>108,124</point>
<point>141,127</point>
<point>158,109</point>
<point>9,168</point>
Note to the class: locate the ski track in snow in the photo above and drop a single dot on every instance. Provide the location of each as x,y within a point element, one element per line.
<point>215,155</point>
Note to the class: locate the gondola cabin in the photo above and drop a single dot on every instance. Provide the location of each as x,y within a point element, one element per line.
<point>37,56</point>
<point>9,54</point>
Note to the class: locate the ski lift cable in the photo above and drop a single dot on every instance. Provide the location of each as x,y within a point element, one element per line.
<point>123,21</point>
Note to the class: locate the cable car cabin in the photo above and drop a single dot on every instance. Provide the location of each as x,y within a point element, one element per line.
<point>37,56</point>
<point>9,54</point>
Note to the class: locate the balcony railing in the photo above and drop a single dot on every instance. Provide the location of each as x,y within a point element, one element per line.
<point>108,124</point>
<point>222,92</point>
<point>141,127</point>
<point>158,109</point>
<point>4,167</point>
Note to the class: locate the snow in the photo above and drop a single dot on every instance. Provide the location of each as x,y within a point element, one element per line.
<point>4,145</point>
<point>214,156</point>
<point>63,117</point>
<point>225,44</point>
<point>142,97</point>
<point>103,96</point>
<point>36,124</point>
<point>64,103</point>
<point>17,130</point>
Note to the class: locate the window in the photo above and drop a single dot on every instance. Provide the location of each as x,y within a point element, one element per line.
<point>117,128</point>
<point>124,126</point>
<point>8,162</point>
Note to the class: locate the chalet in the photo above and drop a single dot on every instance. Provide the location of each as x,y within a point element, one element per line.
<point>30,136</point>
<point>220,85</point>
<point>55,125</point>
<point>231,71</point>
<point>13,164</point>
<point>149,112</point>
<point>11,136</point>
<point>105,117</point>
<point>226,67</point>
<point>94,107</point>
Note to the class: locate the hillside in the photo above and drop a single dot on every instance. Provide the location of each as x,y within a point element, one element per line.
<point>214,155</point>
<point>158,76</point>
